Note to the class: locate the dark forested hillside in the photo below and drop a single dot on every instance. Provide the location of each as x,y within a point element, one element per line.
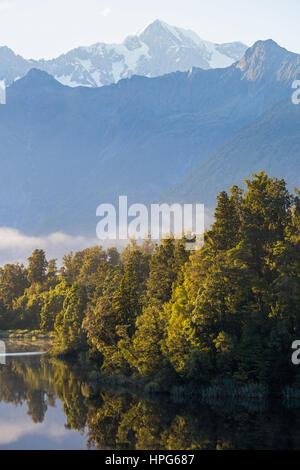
<point>269,143</point>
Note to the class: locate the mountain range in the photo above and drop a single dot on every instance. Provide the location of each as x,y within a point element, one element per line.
<point>179,137</point>
<point>157,50</point>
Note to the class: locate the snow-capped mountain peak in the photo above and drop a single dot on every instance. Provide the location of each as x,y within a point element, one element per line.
<point>173,33</point>
<point>157,50</point>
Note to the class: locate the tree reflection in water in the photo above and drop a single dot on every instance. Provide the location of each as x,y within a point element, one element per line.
<point>115,420</point>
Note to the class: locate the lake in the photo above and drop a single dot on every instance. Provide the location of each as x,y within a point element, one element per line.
<point>50,404</point>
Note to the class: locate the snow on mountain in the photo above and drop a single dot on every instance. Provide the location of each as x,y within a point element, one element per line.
<point>157,50</point>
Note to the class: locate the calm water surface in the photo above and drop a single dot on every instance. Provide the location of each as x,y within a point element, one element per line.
<point>49,404</point>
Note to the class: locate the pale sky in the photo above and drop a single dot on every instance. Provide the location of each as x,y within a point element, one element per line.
<point>47,28</point>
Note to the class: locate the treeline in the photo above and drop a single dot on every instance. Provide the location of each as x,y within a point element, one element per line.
<point>173,316</point>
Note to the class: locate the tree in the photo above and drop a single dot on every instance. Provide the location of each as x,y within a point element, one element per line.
<point>37,267</point>
<point>52,305</point>
<point>113,256</point>
<point>225,231</point>
<point>112,320</point>
<point>70,336</point>
<point>165,265</point>
<point>52,272</point>
<point>13,282</point>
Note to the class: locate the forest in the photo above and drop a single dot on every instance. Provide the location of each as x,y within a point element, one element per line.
<point>230,311</point>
